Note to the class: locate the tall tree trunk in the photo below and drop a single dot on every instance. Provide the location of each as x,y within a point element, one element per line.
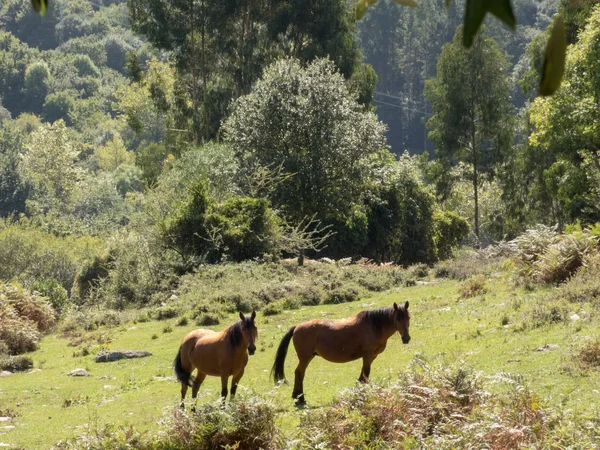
<point>476,196</point>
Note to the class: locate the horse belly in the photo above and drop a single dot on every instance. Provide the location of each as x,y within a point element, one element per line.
<point>206,358</point>
<point>339,351</point>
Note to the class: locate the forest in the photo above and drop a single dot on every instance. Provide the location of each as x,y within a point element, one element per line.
<point>167,164</point>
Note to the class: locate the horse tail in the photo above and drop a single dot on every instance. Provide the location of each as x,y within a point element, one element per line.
<point>277,370</point>
<point>183,377</point>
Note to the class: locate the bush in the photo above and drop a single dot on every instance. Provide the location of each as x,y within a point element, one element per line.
<point>543,256</point>
<point>19,335</point>
<point>341,295</point>
<point>247,424</point>
<point>207,319</point>
<point>450,229</point>
<point>587,356</point>
<point>54,292</point>
<point>272,309</point>
<point>545,313</point>
<point>29,254</point>
<point>472,287</point>
<point>246,228</point>
<point>18,363</point>
<point>465,264</point>
<point>401,227</point>
<point>22,304</point>
<point>583,286</point>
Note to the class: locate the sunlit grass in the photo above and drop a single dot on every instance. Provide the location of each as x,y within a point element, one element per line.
<point>480,331</point>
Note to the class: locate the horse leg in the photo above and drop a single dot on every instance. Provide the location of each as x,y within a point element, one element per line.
<point>234,383</point>
<point>196,386</point>
<point>298,393</point>
<point>224,380</point>
<point>184,388</point>
<point>366,369</point>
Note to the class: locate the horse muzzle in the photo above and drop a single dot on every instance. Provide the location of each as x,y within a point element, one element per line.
<point>405,340</point>
<point>251,350</point>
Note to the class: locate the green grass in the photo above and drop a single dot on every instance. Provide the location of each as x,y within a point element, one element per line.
<point>443,326</point>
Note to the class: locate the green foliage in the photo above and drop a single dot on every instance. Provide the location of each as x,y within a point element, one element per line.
<point>14,188</point>
<point>401,226</point>
<point>51,289</point>
<point>15,57</point>
<point>49,162</point>
<point>185,229</point>
<point>450,230</point>
<point>37,85</point>
<point>58,106</point>
<point>28,254</point>
<point>472,119</point>
<point>150,159</point>
<point>330,145</point>
<point>246,228</point>
<point>560,160</point>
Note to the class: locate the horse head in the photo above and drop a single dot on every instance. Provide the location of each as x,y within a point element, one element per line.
<point>402,321</point>
<point>249,331</point>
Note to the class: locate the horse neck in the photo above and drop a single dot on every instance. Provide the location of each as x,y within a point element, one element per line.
<point>388,330</point>
<point>242,345</point>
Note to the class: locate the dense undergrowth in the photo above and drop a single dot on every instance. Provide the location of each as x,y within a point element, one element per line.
<point>430,406</point>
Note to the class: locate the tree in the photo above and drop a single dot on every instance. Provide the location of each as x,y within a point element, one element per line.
<point>221,47</point>
<point>305,121</point>
<point>561,161</point>
<point>472,119</point>
<point>50,165</point>
<point>14,190</point>
<point>36,86</point>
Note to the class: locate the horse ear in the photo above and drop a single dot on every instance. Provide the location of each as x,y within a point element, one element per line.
<point>395,306</point>
<point>406,305</point>
<point>242,316</point>
<point>253,316</point>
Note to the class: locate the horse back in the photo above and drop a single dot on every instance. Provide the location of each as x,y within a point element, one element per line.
<point>340,340</point>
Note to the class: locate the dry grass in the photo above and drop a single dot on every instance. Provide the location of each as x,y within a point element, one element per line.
<point>473,286</point>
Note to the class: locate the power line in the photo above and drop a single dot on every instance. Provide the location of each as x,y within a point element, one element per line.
<point>402,107</point>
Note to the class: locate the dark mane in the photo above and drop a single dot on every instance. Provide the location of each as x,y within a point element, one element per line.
<point>378,318</point>
<point>234,334</point>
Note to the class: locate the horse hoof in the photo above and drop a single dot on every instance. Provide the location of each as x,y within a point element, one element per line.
<point>300,401</point>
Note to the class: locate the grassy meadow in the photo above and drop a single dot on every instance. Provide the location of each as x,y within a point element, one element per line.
<point>492,327</point>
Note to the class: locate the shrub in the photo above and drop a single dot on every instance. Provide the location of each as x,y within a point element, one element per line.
<point>246,228</point>
<point>272,309</point>
<point>17,363</point>
<point>472,287</point>
<point>587,356</point>
<point>24,305</point>
<point>400,222</point>
<point>246,424</point>
<point>546,313</point>
<point>19,335</point>
<point>543,256</point>
<point>54,292</point>
<point>583,286</point>
<point>341,295</point>
<point>450,229</point>
<point>166,312</point>
<point>29,254</point>
<point>465,264</point>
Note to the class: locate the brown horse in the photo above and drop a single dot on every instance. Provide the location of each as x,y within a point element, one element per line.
<point>363,335</point>
<point>221,354</point>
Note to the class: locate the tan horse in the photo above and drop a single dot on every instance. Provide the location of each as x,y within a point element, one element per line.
<point>363,335</point>
<point>223,354</point>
